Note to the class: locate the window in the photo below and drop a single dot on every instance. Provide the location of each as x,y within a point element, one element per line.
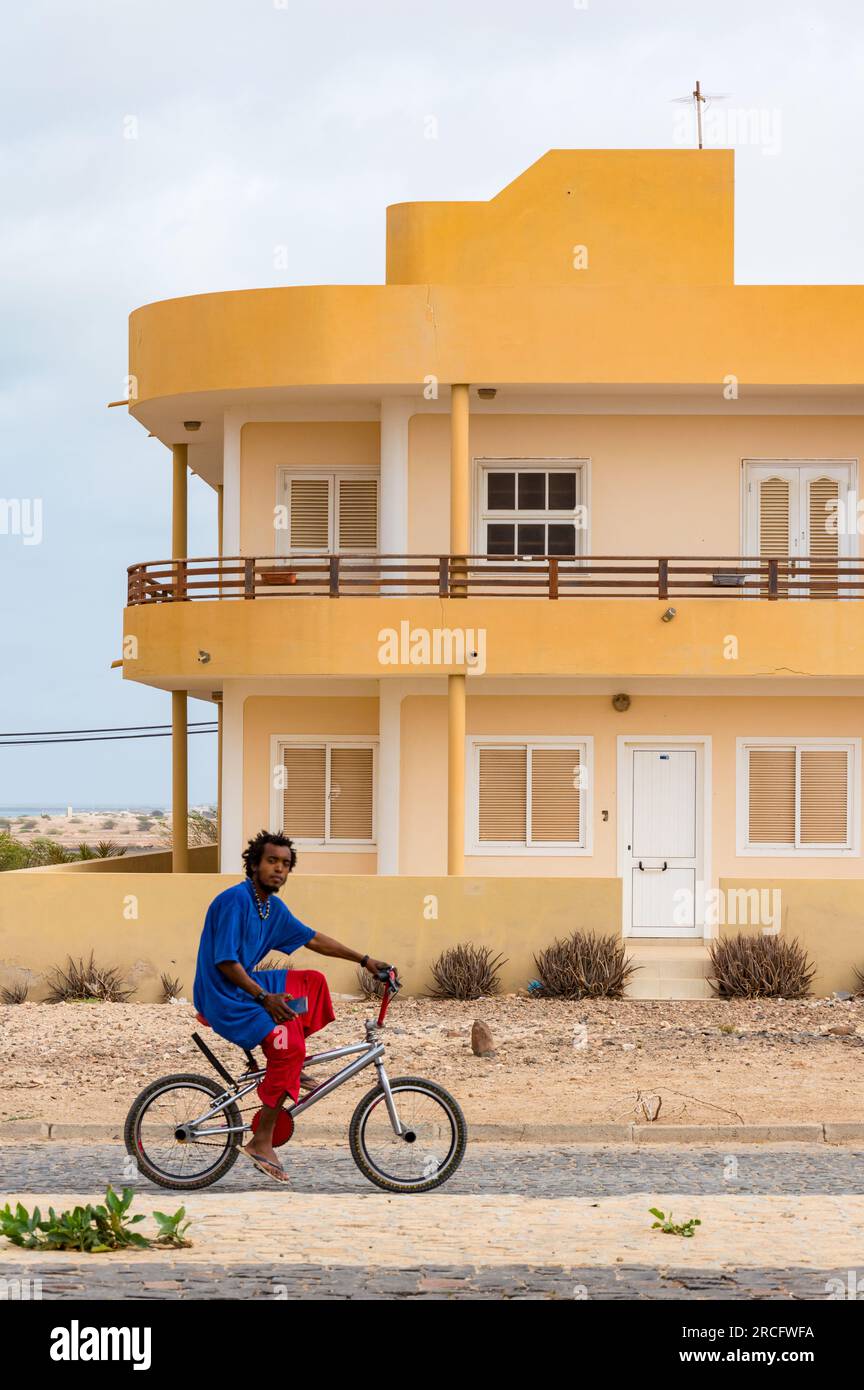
<point>324,791</point>
<point>532,507</point>
<point>798,512</point>
<point>529,795</point>
<point>798,796</point>
<point>329,513</point>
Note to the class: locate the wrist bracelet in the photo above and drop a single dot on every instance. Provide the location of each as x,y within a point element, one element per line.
<point>363,962</point>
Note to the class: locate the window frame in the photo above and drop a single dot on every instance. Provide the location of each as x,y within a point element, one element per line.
<point>482,516</point>
<point>851,849</point>
<point>285,472</point>
<point>329,742</point>
<point>495,849</point>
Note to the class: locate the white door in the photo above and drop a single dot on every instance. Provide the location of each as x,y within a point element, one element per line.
<point>662,852</point>
<point>799,510</point>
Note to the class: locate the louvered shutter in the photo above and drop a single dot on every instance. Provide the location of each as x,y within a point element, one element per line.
<point>824,796</point>
<point>774,519</point>
<point>351,792</point>
<point>303,794</point>
<point>555,795</point>
<point>309,510</point>
<point>503,794</point>
<point>358,514</point>
<point>771,774</point>
<point>823,496</point>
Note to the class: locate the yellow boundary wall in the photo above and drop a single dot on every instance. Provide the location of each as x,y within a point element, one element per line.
<point>46,917</point>
<point>149,923</point>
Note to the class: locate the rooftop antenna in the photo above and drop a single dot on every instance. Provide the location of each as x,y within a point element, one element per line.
<point>699,97</point>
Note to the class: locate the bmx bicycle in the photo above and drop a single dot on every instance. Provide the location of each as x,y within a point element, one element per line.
<point>405,1135</point>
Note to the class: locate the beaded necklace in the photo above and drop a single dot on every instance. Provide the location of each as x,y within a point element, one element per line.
<point>266,913</point>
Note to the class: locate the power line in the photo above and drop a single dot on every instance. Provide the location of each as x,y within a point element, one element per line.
<point>97,738</point>
<point>109,729</point>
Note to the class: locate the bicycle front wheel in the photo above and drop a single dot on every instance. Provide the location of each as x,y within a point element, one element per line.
<point>159,1119</point>
<point>429,1150</point>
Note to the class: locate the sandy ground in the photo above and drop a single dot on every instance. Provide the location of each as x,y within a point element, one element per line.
<point>556,1062</point>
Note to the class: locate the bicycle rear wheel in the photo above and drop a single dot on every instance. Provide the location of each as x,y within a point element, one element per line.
<point>430,1150</point>
<point>163,1108</point>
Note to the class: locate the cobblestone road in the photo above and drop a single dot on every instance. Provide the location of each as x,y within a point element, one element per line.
<point>516,1223</point>
<point>571,1171</point>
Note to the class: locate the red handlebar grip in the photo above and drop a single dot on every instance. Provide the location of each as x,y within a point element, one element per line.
<point>384,1003</point>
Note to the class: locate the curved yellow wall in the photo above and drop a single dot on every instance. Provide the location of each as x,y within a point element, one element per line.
<point>372,335</point>
<point>524,636</point>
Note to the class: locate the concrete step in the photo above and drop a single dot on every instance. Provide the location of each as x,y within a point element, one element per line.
<point>669,970</point>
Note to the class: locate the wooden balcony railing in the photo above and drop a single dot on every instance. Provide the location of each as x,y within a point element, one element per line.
<point>482,576</point>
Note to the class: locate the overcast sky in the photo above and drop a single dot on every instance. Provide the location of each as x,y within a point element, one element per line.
<point>256,125</point>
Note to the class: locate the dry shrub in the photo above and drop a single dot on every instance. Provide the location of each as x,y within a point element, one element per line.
<point>15,994</point>
<point>584,966</point>
<point>171,988</point>
<point>466,972</point>
<point>90,981</point>
<point>760,967</point>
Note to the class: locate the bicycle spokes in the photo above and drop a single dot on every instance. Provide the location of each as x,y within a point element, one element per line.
<point>165,1132</point>
<point>426,1146</point>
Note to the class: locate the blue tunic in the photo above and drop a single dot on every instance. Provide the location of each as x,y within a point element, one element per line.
<point>233,930</point>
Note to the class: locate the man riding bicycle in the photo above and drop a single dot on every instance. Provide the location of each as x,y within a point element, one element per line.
<point>248,1006</point>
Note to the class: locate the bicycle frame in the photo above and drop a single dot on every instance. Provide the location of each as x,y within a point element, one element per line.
<point>371,1053</point>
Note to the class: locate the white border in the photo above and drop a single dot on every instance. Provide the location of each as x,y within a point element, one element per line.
<point>516,849</point>
<point>742,800</point>
<point>329,741</point>
<point>702,744</point>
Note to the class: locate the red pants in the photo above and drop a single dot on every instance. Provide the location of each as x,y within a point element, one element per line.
<point>285,1046</point>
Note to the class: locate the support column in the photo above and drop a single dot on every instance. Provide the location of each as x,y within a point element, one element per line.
<point>459,471</point>
<point>179,784</point>
<point>179,727</point>
<point>231,828</point>
<point>390,694</point>
<point>220,527</point>
<point>179,454</point>
<point>218,697</point>
<point>456,775</point>
<point>459,546</point>
<point>395,413</point>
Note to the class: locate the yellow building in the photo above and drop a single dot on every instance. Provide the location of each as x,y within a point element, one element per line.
<point>540,560</point>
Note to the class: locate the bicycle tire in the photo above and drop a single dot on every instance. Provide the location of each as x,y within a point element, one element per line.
<point>130,1138</point>
<point>361,1115</point>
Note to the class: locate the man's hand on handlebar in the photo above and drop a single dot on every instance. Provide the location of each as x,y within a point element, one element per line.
<point>378,968</point>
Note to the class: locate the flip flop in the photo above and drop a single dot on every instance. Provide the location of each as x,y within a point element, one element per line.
<point>271,1170</point>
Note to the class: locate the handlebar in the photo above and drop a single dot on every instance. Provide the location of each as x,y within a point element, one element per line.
<point>393,986</point>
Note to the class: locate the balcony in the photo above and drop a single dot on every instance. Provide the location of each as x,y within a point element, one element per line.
<point>423,615</point>
<point>486,576</point>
